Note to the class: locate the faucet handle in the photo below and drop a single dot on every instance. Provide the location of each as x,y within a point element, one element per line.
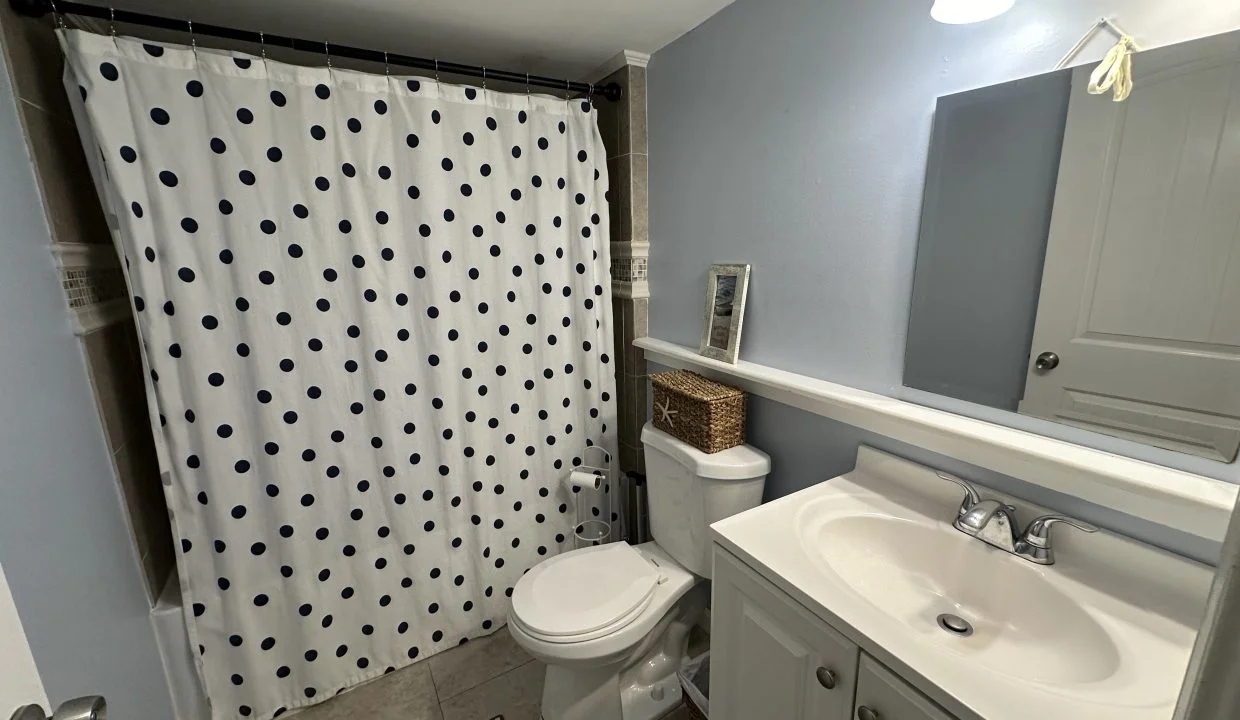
<point>1035,543</point>
<point>1038,534</point>
<point>971,497</point>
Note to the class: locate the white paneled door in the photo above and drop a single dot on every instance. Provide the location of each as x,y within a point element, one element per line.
<point>1138,326</point>
<point>19,678</point>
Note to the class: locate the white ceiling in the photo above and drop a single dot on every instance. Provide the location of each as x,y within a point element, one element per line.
<point>561,38</point>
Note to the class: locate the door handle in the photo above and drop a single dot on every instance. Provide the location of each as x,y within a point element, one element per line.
<point>90,707</point>
<point>1046,361</point>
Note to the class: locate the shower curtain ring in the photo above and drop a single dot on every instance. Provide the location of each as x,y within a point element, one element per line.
<point>568,90</point>
<point>60,20</point>
<point>387,69</point>
<point>484,77</point>
<point>590,96</point>
<point>112,22</point>
<point>528,91</point>
<point>327,51</point>
<point>193,41</point>
<point>436,71</point>
<point>262,45</point>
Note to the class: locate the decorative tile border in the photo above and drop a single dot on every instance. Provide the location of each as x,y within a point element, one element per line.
<point>94,285</point>
<point>85,286</point>
<point>628,269</point>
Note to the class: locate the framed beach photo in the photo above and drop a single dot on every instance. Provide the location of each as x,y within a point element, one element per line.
<point>726,287</point>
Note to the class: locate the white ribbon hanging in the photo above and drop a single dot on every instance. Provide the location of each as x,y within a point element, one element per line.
<point>1115,71</point>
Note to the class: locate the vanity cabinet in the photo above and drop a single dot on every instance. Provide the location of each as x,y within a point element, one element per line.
<point>772,659</point>
<point>882,695</point>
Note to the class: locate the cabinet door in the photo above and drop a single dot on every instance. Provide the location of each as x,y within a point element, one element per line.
<point>881,695</point>
<point>771,658</point>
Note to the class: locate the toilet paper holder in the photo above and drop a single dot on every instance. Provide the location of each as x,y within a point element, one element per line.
<point>592,523</point>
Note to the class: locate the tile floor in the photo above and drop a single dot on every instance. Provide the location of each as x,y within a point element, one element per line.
<point>480,680</point>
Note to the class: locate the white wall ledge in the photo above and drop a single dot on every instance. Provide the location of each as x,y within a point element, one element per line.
<point>1190,503</point>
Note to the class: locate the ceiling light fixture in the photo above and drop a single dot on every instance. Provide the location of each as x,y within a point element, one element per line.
<point>963,12</point>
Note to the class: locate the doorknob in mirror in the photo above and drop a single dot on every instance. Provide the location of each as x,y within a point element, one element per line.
<point>1046,361</point>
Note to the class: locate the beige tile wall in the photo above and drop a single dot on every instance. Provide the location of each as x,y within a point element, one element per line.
<point>623,126</point>
<point>74,215</point>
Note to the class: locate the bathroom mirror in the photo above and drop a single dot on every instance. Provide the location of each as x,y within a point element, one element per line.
<point>1079,259</point>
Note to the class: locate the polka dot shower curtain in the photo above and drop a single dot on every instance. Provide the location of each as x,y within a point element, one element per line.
<point>375,316</point>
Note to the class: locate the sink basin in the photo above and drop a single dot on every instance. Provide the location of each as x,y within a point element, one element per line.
<point>914,572</point>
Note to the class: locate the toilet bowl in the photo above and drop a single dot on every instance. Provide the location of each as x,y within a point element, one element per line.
<point>612,621</point>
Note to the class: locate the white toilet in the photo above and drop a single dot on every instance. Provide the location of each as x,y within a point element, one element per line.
<point>612,621</point>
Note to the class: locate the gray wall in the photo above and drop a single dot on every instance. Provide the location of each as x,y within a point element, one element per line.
<point>985,221</point>
<point>792,135</point>
<point>64,543</point>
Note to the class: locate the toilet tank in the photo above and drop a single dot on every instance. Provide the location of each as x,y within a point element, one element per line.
<point>688,490</point>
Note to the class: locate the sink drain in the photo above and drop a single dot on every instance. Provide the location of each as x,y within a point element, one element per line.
<point>955,625</point>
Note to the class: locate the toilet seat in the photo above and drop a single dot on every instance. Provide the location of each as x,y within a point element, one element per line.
<point>586,593</point>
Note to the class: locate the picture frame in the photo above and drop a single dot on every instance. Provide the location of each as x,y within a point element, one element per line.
<point>726,289</point>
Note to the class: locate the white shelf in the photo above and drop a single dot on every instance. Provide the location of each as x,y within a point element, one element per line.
<point>1193,504</point>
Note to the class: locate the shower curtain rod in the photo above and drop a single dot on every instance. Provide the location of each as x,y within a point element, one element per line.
<point>39,8</point>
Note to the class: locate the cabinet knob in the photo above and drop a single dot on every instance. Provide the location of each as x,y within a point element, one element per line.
<point>866,712</point>
<point>826,678</point>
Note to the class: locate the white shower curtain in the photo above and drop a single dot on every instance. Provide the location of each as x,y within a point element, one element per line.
<point>374,311</point>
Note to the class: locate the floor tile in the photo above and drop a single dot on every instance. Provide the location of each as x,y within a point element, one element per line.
<point>407,694</point>
<point>517,695</point>
<point>680,713</point>
<point>469,665</point>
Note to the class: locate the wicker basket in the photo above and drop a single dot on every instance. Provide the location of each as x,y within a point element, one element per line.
<point>708,415</point>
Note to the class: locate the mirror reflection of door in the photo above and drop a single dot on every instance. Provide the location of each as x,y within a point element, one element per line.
<point>721,314</point>
<point>1138,321</point>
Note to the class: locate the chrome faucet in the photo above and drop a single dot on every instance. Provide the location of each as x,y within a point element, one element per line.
<point>994,523</point>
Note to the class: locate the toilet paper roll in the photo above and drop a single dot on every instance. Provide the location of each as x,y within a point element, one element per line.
<point>583,479</point>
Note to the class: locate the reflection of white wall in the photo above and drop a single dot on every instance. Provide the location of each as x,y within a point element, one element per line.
<point>19,678</point>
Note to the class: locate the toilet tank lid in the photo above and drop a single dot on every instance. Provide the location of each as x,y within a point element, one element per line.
<point>742,462</point>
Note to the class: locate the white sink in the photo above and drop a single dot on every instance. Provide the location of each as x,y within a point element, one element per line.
<point>1103,634</point>
<point>1022,625</point>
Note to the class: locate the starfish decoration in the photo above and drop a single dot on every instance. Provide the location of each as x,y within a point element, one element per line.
<point>665,412</point>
